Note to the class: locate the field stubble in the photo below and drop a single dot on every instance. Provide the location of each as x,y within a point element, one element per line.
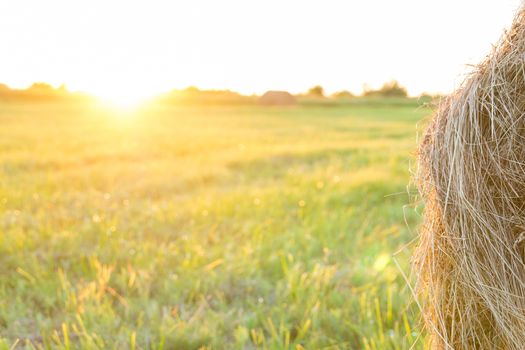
<point>223,228</point>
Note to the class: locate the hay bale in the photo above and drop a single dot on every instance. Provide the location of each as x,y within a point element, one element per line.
<point>471,175</point>
<point>277,98</point>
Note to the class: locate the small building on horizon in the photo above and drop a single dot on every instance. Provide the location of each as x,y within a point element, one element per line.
<point>277,98</point>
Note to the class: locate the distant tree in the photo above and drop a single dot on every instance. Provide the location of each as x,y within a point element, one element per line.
<point>343,94</point>
<point>192,90</point>
<point>195,96</point>
<point>389,89</point>
<point>5,92</point>
<point>41,92</point>
<point>42,87</point>
<point>394,89</point>
<point>62,89</point>
<point>316,91</point>
<point>429,96</point>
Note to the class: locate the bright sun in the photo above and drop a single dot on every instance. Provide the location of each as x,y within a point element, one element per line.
<point>122,97</point>
<point>121,101</point>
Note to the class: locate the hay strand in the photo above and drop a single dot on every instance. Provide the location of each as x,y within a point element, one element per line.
<point>471,175</point>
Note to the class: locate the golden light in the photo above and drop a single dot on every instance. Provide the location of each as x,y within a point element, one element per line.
<point>120,102</point>
<point>122,99</point>
<point>229,44</point>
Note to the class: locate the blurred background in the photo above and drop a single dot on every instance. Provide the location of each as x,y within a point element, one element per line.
<point>220,174</point>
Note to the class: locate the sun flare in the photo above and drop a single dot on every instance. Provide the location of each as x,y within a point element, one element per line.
<point>121,99</point>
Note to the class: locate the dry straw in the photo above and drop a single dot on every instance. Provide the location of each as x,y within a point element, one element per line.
<point>470,260</point>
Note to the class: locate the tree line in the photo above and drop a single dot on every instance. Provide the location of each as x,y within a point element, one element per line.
<point>192,95</point>
<point>389,89</point>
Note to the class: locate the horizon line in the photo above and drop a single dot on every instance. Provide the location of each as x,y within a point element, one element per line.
<point>365,88</point>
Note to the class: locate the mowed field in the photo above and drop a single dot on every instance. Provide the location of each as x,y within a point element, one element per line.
<point>207,228</point>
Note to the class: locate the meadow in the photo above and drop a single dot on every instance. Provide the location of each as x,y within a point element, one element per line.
<point>207,227</point>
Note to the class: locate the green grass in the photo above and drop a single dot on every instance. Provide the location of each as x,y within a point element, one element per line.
<point>219,228</point>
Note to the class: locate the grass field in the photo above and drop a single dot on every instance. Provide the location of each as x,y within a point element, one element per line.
<point>214,228</point>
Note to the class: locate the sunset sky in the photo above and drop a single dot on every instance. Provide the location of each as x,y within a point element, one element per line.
<point>133,49</point>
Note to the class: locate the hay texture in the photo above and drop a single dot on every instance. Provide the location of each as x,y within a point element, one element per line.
<point>469,261</point>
